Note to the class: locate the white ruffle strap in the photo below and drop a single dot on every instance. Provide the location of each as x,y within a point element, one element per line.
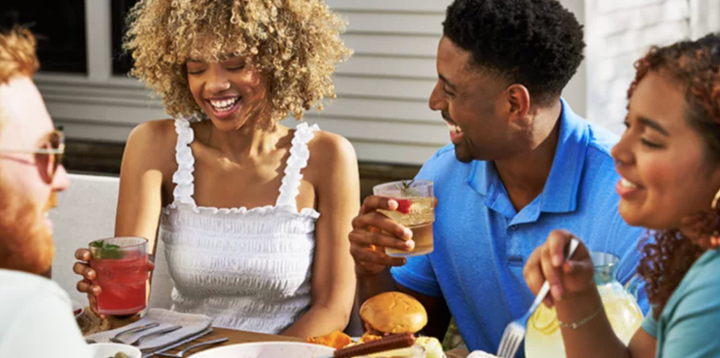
<point>183,177</point>
<point>299,155</point>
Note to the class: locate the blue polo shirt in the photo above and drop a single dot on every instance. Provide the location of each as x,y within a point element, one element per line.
<point>482,243</point>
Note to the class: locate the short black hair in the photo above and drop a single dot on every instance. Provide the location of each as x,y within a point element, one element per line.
<point>536,43</point>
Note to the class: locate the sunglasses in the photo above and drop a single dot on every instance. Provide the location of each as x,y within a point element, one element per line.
<point>49,157</point>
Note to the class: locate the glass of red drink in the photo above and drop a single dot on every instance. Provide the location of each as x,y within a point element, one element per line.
<point>121,265</point>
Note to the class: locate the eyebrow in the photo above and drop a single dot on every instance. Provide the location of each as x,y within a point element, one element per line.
<point>448,83</point>
<point>652,124</point>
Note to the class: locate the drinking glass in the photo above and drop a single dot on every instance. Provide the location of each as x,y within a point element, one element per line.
<point>416,210</point>
<point>122,273</point>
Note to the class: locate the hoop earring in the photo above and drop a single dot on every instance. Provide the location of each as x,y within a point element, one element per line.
<point>715,200</point>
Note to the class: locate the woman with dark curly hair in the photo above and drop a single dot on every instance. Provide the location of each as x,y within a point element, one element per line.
<point>254,215</point>
<point>668,160</point>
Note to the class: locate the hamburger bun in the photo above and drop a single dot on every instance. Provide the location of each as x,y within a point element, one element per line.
<point>394,312</point>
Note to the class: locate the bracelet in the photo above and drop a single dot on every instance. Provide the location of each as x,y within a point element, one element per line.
<point>582,322</point>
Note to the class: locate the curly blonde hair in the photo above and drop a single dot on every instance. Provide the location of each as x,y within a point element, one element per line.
<point>17,56</point>
<point>296,43</point>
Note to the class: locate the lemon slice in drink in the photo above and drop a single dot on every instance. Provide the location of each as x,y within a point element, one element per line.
<point>544,320</point>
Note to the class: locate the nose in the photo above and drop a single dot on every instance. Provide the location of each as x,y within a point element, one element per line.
<point>61,181</point>
<point>436,101</point>
<point>622,151</point>
<point>217,81</point>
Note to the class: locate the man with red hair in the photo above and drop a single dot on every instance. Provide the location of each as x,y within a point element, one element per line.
<point>35,313</point>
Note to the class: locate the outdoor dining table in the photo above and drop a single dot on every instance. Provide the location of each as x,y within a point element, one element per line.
<point>236,337</point>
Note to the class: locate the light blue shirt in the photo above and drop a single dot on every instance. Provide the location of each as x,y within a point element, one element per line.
<point>688,325</point>
<point>482,243</point>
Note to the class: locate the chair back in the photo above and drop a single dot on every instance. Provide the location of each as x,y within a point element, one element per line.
<point>86,212</point>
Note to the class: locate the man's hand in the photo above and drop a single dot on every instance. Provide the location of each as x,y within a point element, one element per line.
<point>373,232</point>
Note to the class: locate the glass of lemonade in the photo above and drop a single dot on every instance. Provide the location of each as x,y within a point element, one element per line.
<point>543,338</point>
<point>122,273</point>
<point>416,210</point>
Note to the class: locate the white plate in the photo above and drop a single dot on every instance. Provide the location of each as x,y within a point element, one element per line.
<point>267,350</point>
<point>105,350</point>
<point>77,306</point>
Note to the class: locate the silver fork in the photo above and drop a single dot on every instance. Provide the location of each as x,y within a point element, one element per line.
<point>146,336</point>
<point>137,329</point>
<point>515,330</point>
<point>182,352</point>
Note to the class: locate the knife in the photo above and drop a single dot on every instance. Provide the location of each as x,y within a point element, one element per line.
<point>178,344</point>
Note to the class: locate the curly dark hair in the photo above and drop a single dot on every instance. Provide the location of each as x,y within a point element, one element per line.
<point>536,43</point>
<point>695,66</point>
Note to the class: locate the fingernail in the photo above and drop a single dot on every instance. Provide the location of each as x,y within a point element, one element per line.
<point>410,244</point>
<point>392,204</point>
<point>408,233</point>
<point>556,292</point>
<point>557,260</point>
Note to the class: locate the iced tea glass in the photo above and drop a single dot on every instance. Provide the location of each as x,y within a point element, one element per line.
<point>121,265</point>
<point>416,210</point>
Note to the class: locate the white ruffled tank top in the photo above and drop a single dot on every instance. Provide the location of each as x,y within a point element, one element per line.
<point>249,269</point>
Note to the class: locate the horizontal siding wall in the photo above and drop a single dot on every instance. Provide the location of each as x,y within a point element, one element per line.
<point>382,91</point>
<point>618,33</point>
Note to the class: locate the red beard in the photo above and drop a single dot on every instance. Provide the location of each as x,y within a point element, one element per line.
<point>25,242</point>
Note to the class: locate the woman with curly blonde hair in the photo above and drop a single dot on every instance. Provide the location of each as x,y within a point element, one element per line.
<point>669,163</point>
<point>253,215</point>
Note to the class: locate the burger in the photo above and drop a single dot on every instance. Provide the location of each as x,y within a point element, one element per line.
<point>395,312</point>
<point>392,313</point>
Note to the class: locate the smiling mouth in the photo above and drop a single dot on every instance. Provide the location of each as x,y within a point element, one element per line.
<point>223,105</point>
<point>627,184</point>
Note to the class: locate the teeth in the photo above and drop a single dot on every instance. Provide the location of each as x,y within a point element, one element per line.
<point>627,184</point>
<point>454,129</point>
<point>224,105</point>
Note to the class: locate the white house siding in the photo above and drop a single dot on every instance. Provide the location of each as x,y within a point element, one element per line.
<point>383,90</point>
<point>621,31</point>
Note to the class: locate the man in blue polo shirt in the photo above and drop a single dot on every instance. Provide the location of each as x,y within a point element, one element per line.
<point>521,164</point>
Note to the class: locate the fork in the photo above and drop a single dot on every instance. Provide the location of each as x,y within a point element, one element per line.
<point>137,329</point>
<point>146,336</point>
<point>515,330</point>
<point>182,352</point>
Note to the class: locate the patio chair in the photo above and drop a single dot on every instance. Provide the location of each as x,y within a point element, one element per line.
<point>86,212</point>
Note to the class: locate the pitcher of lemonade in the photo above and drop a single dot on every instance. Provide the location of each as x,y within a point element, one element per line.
<point>543,338</point>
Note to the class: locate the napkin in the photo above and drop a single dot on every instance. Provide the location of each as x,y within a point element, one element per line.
<point>481,354</point>
<point>191,324</point>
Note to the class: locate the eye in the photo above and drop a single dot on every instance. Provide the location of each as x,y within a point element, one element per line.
<point>450,94</point>
<point>196,72</point>
<point>236,68</point>
<point>650,144</point>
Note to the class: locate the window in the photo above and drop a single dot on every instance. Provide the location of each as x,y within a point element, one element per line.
<point>122,63</point>
<point>60,30</point>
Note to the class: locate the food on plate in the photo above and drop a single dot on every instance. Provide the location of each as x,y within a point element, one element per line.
<point>335,340</point>
<point>393,312</point>
<point>385,314</point>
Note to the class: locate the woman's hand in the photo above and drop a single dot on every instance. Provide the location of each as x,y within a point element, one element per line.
<point>87,284</point>
<point>566,277</point>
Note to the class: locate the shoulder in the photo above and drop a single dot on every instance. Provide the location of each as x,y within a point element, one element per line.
<point>330,148</point>
<point>600,142</point>
<point>153,132</point>
<point>157,137</point>
<point>21,289</point>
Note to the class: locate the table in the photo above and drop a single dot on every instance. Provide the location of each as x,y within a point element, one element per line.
<point>236,337</point>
